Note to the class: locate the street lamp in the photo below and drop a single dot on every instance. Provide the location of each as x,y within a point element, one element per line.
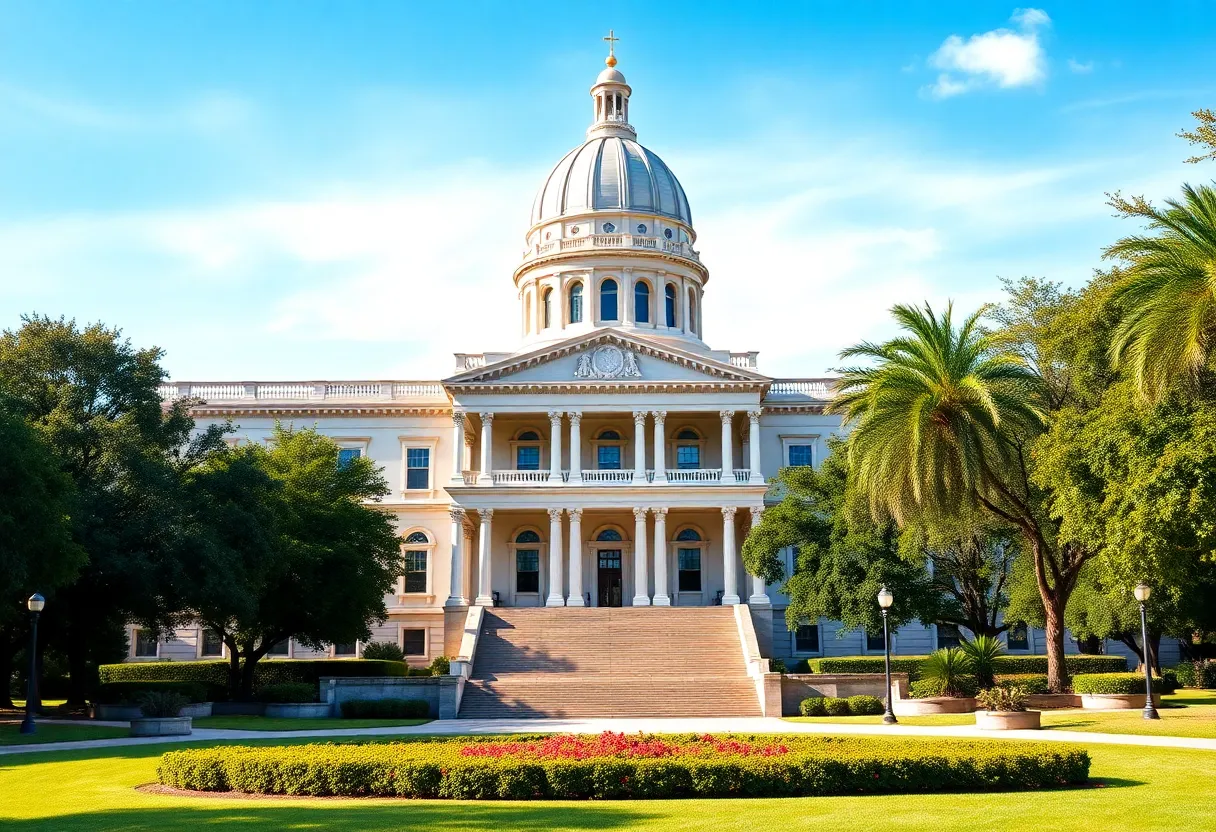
<point>35,604</point>
<point>885,600</point>
<point>1142,591</point>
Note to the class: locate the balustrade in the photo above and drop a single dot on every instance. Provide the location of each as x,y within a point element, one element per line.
<point>680,249</point>
<point>698,475</point>
<point>519,477</point>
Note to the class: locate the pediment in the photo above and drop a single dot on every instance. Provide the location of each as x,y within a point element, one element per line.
<point>604,359</point>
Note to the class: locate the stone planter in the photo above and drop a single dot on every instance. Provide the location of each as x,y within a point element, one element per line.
<point>169,726</point>
<point>934,705</point>
<point>297,710</point>
<point>127,713</point>
<point>1116,701</point>
<point>1006,720</point>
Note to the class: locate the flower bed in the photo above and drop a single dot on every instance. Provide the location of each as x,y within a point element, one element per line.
<point>616,766</point>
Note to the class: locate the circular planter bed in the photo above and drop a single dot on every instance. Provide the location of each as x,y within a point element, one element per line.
<point>934,705</point>
<point>169,726</point>
<point>1116,701</point>
<point>1006,720</point>
<point>297,710</point>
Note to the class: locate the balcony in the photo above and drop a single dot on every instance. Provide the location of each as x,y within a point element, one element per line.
<point>597,477</point>
<point>592,242</point>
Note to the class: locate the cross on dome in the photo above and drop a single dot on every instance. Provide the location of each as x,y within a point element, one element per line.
<point>612,39</point>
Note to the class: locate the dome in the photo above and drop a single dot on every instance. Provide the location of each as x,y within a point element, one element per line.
<point>611,75</point>
<point>610,173</point>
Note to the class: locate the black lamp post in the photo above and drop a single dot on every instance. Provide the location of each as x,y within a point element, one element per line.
<point>885,600</point>
<point>35,605</point>
<point>1142,591</point>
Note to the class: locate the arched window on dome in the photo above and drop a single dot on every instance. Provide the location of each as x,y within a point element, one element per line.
<point>608,310</point>
<point>692,311</point>
<point>576,303</point>
<point>547,311</point>
<point>641,302</point>
<point>670,293</point>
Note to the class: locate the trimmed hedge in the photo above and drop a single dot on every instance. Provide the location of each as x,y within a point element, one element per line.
<point>805,766</point>
<point>862,705</point>
<point>267,672</point>
<point>288,693</point>
<point>924,688</point>
<point>1002,665</point>
<point>1029,683</point>
<point>385,709</point>
<point>129,693</point>
<point>867,664</point>
<point>1114,683</point>
<point>832,706</point>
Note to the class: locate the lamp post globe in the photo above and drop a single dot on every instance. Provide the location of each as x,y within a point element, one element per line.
<point>1142,593</point>
<point>35,605</point>
<point>885,600</point>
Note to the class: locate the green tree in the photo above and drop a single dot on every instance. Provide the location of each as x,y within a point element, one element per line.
<point>289,547</point>
<point>1204,135</point>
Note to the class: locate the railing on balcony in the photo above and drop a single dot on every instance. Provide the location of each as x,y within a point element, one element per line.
<point>512,477</point>
<point>744,360</point>
<point>742,474</point>
<point>811,388</point>
<point>301,391</point>
<point>470,477</point>
<point>678,248</point>
<point>687,475</point>
<point>675,476</point>
<point>616,477</point>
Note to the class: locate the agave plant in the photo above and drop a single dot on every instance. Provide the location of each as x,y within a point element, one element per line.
<point>947,668</point>
<point>161,703</point>
<point>983,651</point>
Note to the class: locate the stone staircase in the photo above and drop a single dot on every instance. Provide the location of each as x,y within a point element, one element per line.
<point>604,662</point>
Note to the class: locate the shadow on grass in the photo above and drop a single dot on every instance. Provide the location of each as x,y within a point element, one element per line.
<point>1113,782</point>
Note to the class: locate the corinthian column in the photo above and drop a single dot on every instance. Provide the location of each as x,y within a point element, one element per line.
<point>576,447</point>
<point>487,449</point>
<point>457,447</point>
<point>575,598</point>
<point>457,598</point>
<point>641,578</point>
<point>639,446</point>
<point>728,451</point>
<point>555,598</point>
<point>753,446</point>
<point>555,446</point>
<point>485,595</point>
<point>730,594</point>
<point>660,451</point>
<point>661,598</point>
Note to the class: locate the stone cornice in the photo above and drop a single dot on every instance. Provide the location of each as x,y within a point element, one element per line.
<point>644,254</point>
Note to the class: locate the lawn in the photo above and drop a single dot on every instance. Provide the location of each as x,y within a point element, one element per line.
<point>1137,788</point>
<point>1187,713</point>
<point>10,735</point>
<point>262,723</point>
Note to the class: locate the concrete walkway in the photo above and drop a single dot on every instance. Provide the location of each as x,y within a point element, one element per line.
<point>733,725</point>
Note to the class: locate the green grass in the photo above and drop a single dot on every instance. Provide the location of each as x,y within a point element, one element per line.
<point>1136,788</point>
<point>9,733</point>
<point>262,723</point>
<point>1187,713</point>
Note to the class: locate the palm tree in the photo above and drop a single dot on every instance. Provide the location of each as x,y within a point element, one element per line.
<point>1167,292</point>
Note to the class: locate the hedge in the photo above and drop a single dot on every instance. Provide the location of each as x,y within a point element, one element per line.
<point>923,688</point>
<point>1003,664</point>
<point>385,709</point>
<point>128,693</point>
<point>287,693</point>
<point>1196,674</point>
<point>1114,683</point>
<point>805,766</point>
<point>267,672</point>
<point>1029,683</point>
<point>867,664</point>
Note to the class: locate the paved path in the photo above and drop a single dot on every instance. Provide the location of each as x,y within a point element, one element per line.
<point>707,725</point>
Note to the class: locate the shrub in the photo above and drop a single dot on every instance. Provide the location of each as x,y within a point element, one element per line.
<point>384,650</point>
<point>777,666</point>
<point>385,709</point>
<point>923,688</point>
<point>1002,699</point>
<point>1077,663</point>
<point>946,667</point>
<point>1029,683</point>
<point>1169,680</point>
<point>288,692</point>
<point>1074,664</point>
<point>1200,673</point>
<point>129,693</point>
<point>982,652</point>
<point>272,672</point>
<point>686,766</point>
<point>836,707</point>
<point>161,704</point>
<point>867,664</point>
<point>441,666</point>
<point>813,706</point>
<point>802,666</point>
<point>865,705</point>
<point>1113,683</point>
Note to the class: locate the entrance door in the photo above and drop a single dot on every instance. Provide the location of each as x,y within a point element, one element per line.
<point>609,579</point>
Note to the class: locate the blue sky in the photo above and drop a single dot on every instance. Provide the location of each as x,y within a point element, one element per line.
<point>293,189</point>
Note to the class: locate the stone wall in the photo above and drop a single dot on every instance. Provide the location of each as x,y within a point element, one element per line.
<point>335,691</point>
<point>798,686</point>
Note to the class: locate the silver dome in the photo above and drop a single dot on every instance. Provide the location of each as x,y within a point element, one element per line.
<point>610,173</point>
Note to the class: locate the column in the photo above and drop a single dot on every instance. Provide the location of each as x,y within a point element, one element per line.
<point>457,599</point>
<point>457,447</point>
<point>575,598</point>
<point>730,594</point>
<point>487,449</point>
<point>753,446</point>
<point>660,448</point>
<point>555,446</point>
<point>555,598</point>
<point>728,451</point>
<point>684,306</point>
<point>485,595</point>
<point>759,596</point>
<point>641,577</point>
<point>639,446</point>
<point>661,598</point>
<point>576,447</point>
<point>627,311</point>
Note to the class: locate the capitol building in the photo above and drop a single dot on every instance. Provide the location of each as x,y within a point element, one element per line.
<point>615,457</point>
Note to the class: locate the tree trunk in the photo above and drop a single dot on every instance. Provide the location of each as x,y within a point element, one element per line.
<point>234,671</point>
<point>251,659</point>
<point>1057,672</point>
<point>78,670</point>
<point>1090,645</point>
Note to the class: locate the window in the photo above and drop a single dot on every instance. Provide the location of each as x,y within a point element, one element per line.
<point>609,228</point>
<point>281,648</point>
<point>874,643</point>
<point>413,642</point>
<point>670,293</point>
<point>608,310</point>
<point>688,449</point>
<point>641,228</point>
<point>609,536</point>
<point>415,570</point>
<point>145,644</point>
<point>806,638</point>
<point>800,455</point>
<point>1018,637</point>
<point>689,565</point>
<point>347,649</point>
<point>417,469</point>
<point>608,450</point>
<point>692,309</point>
<point>347,455</point>
<point>213,643</point>
<point>547,311</point>
<point>527,570</point>
<point>948,636</point>
<point>527,458</point>
<point>576,303</point>
<point>641,302</point>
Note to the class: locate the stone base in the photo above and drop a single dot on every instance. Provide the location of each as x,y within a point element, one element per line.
<point>297,710</point>
<point>1116,701</point>
<point>1053,700</point>
<point>934,705</point>
<point>173,726</point>
<point>1006,720</point>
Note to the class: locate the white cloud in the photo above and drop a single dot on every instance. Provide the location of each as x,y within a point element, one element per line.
<point>1080,68</point>
<point>1004,58</point>
<point>210,112</point>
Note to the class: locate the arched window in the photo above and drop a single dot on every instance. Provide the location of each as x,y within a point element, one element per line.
<point>527,446</point>
<point>641,302</point>
<point>692,311</point>
<point>609,450</point>
<point>527,562</point>
<point>688,449</point>
<point>609,535</point>
<point>576,303</point>
<point>547,312</point>
<point>416,552</point>
<point>688,534</point>
<point>608,300</point>
<point>670,292</point>
<point>527,536</point>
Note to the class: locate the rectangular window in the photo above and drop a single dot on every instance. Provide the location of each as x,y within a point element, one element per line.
<point>145,644</point>
<point>418,469</point>
<point>413,642</point>
<point>527,458</point>
<point>690,569</point>
<point>688,456</point>
<point>800,455</point>
<point>346,455</point>
<point>279,649</point>
<point>213,644</point>
<point>348,649</point>
<point>948,636</point>
<point>415,571</point>
<point>609,457</point>
<point>874,642</point>
<point>806,638</point>
<point>527,570</point>
<point>1018,637</point>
